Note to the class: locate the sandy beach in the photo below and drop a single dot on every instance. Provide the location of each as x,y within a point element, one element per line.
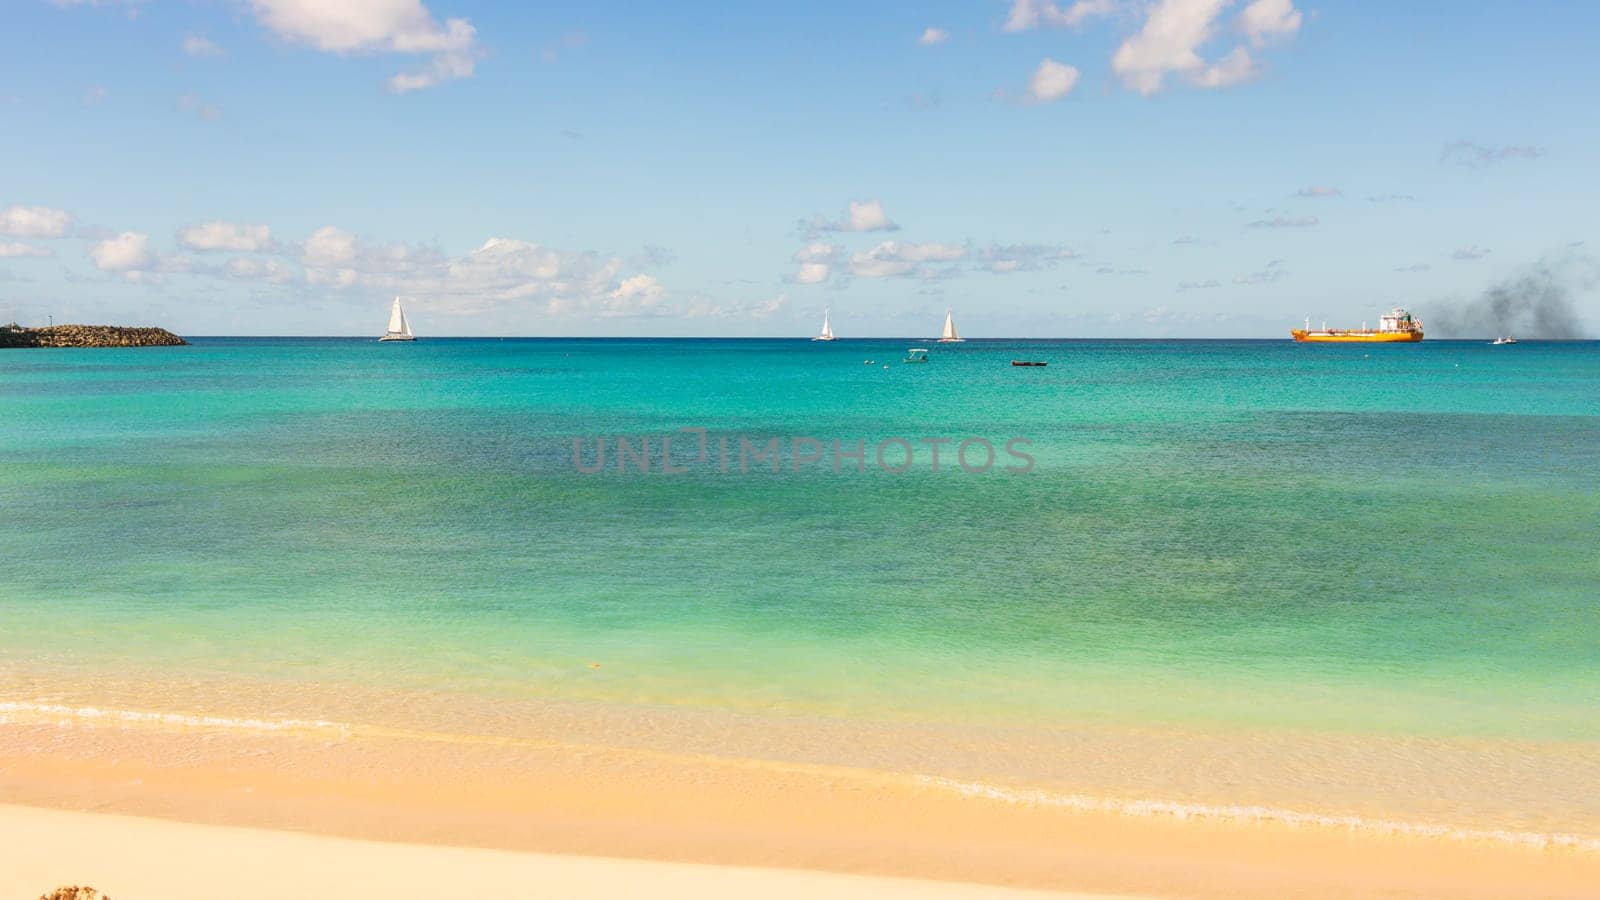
<point>136,858</point>
<point>112,800</point>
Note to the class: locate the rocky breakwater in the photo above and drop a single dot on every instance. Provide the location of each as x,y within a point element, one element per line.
<point>87,336</point>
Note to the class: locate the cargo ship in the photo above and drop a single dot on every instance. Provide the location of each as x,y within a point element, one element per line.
<point>1396,326</point>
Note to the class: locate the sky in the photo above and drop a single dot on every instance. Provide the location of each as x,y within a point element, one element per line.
<point>1075,168</point>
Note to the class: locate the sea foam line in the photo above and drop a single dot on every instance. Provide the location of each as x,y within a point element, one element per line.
<point>135,716</point>
<point>976,789</point>
<point>1257,814</point>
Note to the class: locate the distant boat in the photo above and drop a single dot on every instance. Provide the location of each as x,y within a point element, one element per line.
<point>1508,339</point>
<point>916,355</point>
<point>1396,326</point>
<point>1028,362</point>
<point>827,329</point>
<point>950,336</point>
<point>399,328</point>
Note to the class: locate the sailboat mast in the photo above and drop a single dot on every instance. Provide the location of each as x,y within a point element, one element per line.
<point>950,334</point>
<point>399,326</point>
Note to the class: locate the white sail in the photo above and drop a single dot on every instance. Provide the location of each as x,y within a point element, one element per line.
<point>950,334</point>
<point>827,329</point>
<point>399,327</point>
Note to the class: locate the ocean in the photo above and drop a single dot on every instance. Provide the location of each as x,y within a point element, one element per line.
<point>1339,565</point>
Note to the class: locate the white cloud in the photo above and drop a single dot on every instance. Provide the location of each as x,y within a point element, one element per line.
<point>226,236</point>
<point>509,270</point>
<point>328,247</point>
<point>1319,191</point>
<point>811,273</point>
<point>1052,81</point>
<point>203,111</point>
<point>1003,259</point>
<point>1169,43</point>
<point>34,222</point>
<point>500,271</point>
<point>815,262</point>
<point>1206,285</point>
<point>702,307</point>
<point>893,258</point>
<point>1235,68</point>
<point>1266,20</point>
<point>444,67</point>
<point>635,295</point>
<point>858,216</point>
<point>1477,156</point>
<point>199,45</point>
<point>378,26</point>
<point>1029,14</point>
<point>932,35</point>
<point>18,250</point>
<point>245,268</point>
<point>769,308</point>
<point>817,252</point>
<point>819,262</point>
<point>1469,253</point>
<point>128,252</point>
<point>94,95</point>
<point>866,215</point>
<point>333,256</point>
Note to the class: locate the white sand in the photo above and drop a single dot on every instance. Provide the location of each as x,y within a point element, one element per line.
<point>151,859</point>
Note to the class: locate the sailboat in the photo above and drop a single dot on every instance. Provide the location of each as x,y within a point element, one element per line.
<point>399,328</point>
<point>950,335</point>
<point>827,329</point>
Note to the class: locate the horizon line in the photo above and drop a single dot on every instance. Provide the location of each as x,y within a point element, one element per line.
<point>786,337</point>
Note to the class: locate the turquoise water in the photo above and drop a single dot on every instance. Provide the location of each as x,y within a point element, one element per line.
<point>1214,534</point>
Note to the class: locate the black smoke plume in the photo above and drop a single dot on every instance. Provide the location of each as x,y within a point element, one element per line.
<point>1540,301</point>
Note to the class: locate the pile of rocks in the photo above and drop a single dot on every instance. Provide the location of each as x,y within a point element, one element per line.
<point>87,336</point>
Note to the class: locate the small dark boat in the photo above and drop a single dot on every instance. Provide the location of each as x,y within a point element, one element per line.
<point>1028,362</point>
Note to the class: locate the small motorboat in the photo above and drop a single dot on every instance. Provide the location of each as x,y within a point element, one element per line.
<point>1028,362</point>
<point>916,355</point>
<point>1508,339</point>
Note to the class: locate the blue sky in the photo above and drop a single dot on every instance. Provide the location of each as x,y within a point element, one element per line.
<point>1081,168</point>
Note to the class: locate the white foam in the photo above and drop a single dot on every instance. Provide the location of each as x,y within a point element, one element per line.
<point>144,717</point>
<point>1257,814</point>
<point>977,789</point>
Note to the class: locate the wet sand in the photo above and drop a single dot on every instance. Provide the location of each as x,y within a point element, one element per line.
<point>286,794</point>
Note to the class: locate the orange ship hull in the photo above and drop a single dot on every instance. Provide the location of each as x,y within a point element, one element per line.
<point>1356,337</point>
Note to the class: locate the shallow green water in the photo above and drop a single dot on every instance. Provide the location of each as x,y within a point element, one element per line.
<point>1219,534</point>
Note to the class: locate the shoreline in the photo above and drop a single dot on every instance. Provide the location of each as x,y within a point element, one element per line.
<point>130,857</point>
<point>316,777</point>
